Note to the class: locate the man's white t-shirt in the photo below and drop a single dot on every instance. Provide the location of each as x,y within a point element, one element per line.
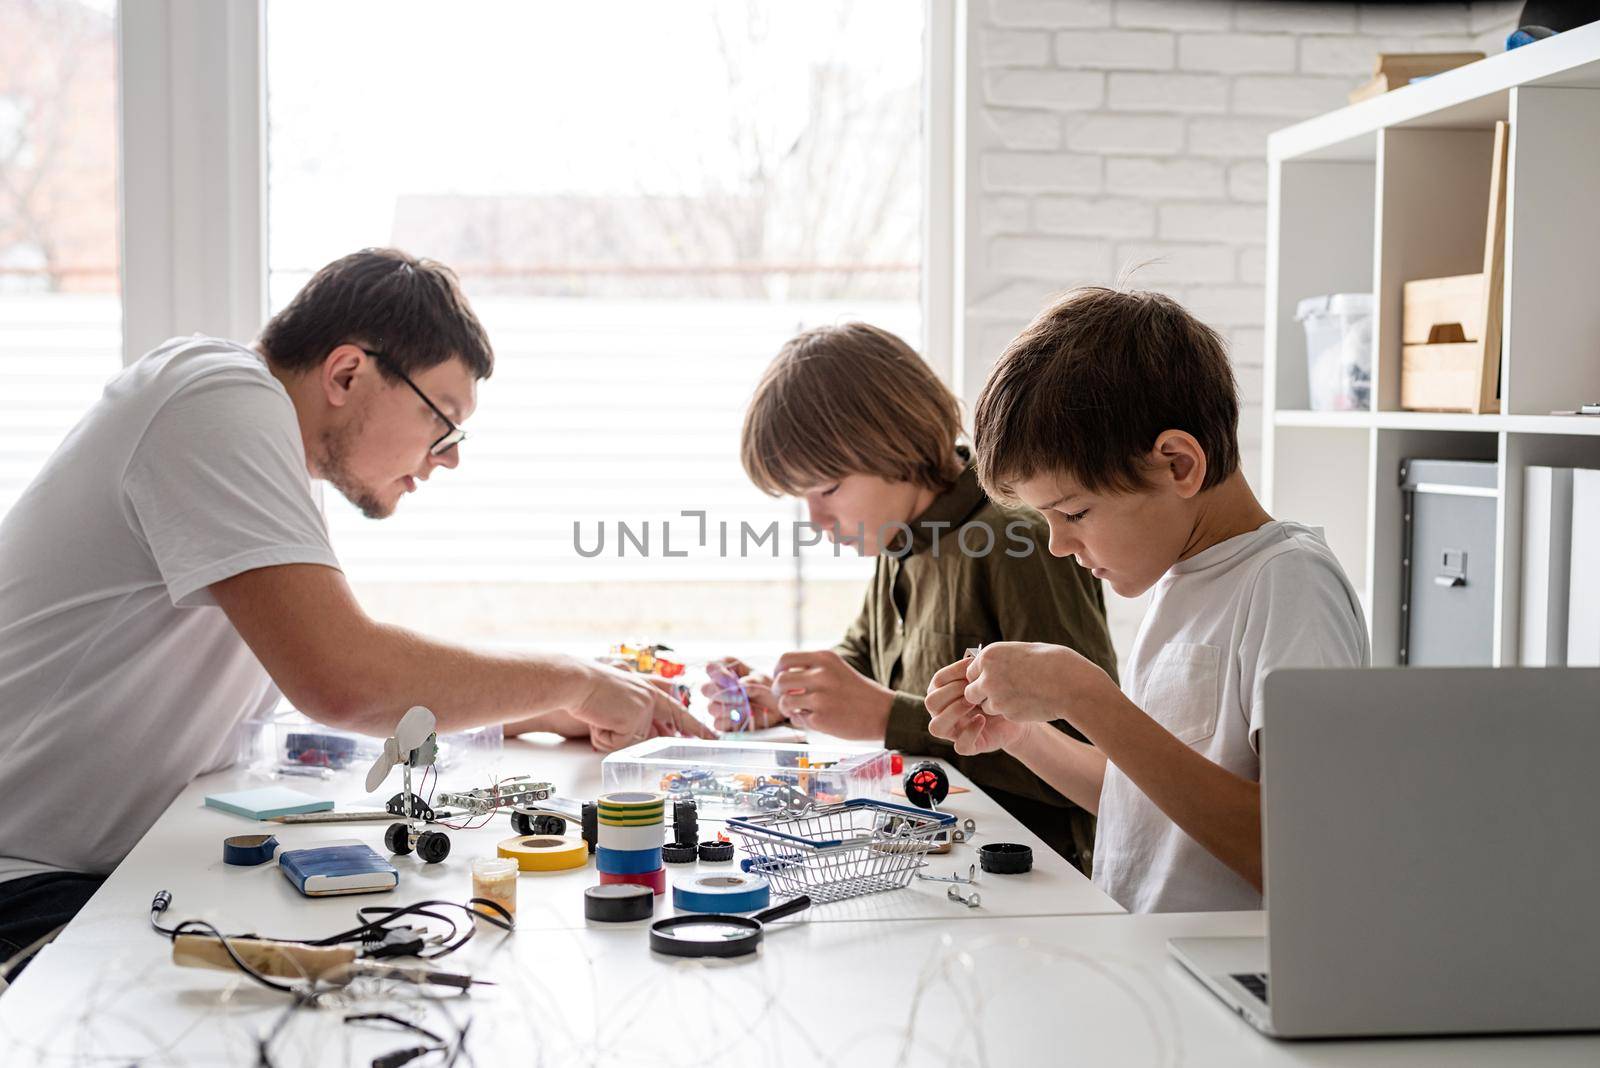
<point>1217,623</point>
<point>120,678</point>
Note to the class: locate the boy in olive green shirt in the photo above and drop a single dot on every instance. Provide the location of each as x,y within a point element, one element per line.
<point>851,419</point>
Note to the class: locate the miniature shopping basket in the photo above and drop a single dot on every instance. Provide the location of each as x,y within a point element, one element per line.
<point>831,852</point>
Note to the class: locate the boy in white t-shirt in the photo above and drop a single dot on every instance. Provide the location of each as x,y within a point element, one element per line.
<point>1115,414</point>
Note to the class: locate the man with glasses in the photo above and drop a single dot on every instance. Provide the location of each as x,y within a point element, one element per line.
<point>168,573</point>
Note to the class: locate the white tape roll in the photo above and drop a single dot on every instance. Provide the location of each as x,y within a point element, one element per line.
<point>648,836</point>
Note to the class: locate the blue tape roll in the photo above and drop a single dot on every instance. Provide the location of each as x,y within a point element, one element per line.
<point>627,861</point>
<point>248,849</point>
<point>721,892</point>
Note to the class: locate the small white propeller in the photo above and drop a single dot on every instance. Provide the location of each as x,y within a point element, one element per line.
<point>415,727</point>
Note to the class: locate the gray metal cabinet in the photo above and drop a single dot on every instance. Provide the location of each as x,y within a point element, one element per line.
<point>1448,562</point>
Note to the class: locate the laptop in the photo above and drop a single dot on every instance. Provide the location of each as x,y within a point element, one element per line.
<point>1431,844</point>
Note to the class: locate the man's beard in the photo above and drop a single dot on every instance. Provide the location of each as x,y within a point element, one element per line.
<point>335,470</point>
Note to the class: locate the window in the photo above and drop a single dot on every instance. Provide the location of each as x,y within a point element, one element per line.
<point>643,201</point>
<point>60,310</point>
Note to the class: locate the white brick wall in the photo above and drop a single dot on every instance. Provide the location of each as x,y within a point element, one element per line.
<point>1113,133</point>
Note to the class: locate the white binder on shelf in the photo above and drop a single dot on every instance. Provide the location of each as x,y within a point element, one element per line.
<point>1583,607</point>
<point>1546,565</point>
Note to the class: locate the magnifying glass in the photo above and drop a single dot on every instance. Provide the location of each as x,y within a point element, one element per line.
<point>715,935</point>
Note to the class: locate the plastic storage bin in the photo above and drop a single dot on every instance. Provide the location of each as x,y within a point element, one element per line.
<point>749,778</point>
<point>291,744</point>
<point>1338,350</point>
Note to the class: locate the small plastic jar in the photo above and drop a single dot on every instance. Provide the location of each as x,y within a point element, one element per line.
<point>495,878</point>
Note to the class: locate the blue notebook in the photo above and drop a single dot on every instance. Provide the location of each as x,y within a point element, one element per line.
<point>267,802</point>
<point>337,868</point>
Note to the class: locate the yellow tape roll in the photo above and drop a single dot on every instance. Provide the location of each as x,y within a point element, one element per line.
<point>545,852</point>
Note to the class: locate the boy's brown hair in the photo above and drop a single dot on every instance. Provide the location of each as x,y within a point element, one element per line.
<point>1087,388</point>
<point>850,399</point>
<point>412,310</point>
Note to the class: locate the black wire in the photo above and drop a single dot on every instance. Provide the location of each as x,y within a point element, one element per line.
<point>371,930</point>
<point>384,1017</point>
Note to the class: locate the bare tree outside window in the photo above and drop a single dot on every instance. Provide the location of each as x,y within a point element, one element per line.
<point>60,308</point>
<point>644,202</point>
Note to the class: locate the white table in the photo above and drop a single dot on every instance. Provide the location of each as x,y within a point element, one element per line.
<point>881,980</point>
<point>1091,990</point>
<point>183,853</point>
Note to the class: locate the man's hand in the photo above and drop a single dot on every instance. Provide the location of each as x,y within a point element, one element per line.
<point>957,721</point>
<point>1027,682</point>
<point>622,708</point>
<point>819,691</point>
<point>763,704</point>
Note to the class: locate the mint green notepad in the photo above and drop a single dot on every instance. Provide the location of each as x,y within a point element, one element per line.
<point>267,802</point>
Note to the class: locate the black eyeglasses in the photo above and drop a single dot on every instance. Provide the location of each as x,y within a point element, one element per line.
<point>452,437</point>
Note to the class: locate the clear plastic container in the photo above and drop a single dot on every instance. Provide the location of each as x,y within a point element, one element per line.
<point>748,778</point>
<point>292,745</point>
<point>1338,350</point>
<point>495,879</point>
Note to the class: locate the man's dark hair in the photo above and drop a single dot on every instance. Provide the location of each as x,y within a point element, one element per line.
<point>1087,388</point>
<point>412,310</point>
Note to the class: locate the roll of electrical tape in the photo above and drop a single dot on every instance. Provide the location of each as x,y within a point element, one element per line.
<point>1005,858</point>
<point>627,861</point>
<point>545,852</point>
<point>721,893</point>
<point>655,880</point>
<point>618,902</point>
<point>246,850</point>
<point>647,836</point>
<point>630,821</point>
<point>632,799</point>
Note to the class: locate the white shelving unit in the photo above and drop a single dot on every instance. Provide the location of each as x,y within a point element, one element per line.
<point>1395,188</point>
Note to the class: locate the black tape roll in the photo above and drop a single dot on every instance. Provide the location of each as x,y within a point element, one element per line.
<point>1005,858</point>
<point>619,902</point>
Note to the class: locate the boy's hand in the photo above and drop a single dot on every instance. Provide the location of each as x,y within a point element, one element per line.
<point>973,732</point>
<point>763,705</point>
<point>956,721</point>
<point>1029,682</point>
<point>819,691</point>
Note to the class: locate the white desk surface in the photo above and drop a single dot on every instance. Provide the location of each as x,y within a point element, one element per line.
<point>1045,972</point>
<point>183,853</point>
<point>1091,990</point>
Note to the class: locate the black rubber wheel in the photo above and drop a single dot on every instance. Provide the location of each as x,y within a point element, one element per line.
<point>522,823</point>
<point>398,839</point>
<point>685,823</point>
<point>549,825</point>
<point>432,846</point>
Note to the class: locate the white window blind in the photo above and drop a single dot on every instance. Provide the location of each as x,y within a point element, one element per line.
<point>644,202</point>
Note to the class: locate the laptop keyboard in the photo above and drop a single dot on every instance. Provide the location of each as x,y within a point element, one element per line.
<point>1255,982</point>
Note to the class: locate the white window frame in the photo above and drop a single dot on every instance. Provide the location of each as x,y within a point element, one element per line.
<point>191,101</point>
<point>193,181</point>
